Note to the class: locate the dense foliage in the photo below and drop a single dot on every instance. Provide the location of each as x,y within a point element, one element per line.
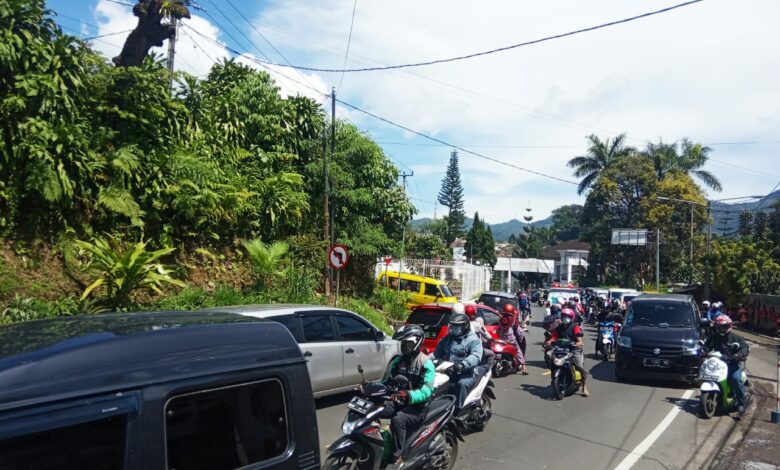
<point>480,245</point>
<point>451,197</point>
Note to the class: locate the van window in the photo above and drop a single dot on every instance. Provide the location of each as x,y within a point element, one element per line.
<point>317,328</point>
<point>445,291</point>
<point>352,329</point>
<point>431,290</point>
<point>411,286</point>
<point>96,444</point>
<point>226,428</point>
<point>491,318</point>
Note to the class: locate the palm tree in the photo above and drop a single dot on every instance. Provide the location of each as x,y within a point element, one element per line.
<point>687,159</point>
<point>601,154</point>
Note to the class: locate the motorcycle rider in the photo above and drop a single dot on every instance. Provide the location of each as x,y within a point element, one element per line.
<point>715,311</point>
<point>461,347</point>
<point>508,331</point>
<point>407,407</point>
<point>525,305</point>
<point>568,329</point>
<point>723,341</point>
<point>478,327</point>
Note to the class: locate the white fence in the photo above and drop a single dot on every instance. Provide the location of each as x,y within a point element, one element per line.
<point>466,280</point>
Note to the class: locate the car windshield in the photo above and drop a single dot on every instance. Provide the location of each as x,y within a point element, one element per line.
<point>495,301</point>
<point>491,318</point>
<point>429,317</point>
<point>445,290</point>
<point>661,314</point>
<point>562,293</point>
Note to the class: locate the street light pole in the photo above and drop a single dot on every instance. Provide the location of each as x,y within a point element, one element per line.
<point>707,279</point>
<point>690,275</point>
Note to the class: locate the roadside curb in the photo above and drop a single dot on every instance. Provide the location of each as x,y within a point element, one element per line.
<point>759,338</point>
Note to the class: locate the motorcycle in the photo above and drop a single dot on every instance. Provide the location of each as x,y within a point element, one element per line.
<point>566,380</point>
<point>477,407</point>
<point>716,393</point>
<point>366,445</point>
<point>506,358</point>
<point>605,344</point>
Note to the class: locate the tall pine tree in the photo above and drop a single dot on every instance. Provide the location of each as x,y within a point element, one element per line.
<point>451,196</point>
<point>480,244</point>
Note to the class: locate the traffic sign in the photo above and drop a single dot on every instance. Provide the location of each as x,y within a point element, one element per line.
<point>388,260</point>
<point>338,256</point>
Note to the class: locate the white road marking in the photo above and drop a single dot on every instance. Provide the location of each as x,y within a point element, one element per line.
<point>636,454</point>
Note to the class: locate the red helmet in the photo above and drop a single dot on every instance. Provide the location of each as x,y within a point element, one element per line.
<point>471,312</point>
<point>722,324</point>
<point>568,313</point>
<point>509,308</point>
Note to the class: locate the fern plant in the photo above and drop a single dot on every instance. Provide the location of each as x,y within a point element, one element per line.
<point>123,271</point>
<point>267,260</point>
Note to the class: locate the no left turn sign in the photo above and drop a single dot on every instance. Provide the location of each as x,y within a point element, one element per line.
<point>338,256</point>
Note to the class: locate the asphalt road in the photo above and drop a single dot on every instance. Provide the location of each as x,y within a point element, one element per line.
<point>530,429</point>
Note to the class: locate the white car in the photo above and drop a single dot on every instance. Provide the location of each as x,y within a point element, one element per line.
<point>333,341</point>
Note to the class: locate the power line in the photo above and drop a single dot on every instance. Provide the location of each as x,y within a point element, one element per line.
<point>122,3</point>
<point>500,49</point>
<point>234,27</point>
<point>90,38</point>
<point>462,149</point>
<point>349,41</point>
<point>257,31</point>
<point>199,46</point>
<point>763,199</point>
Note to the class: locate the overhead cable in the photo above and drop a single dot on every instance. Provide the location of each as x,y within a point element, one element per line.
<point>493,51</point>
<point>349,41</point>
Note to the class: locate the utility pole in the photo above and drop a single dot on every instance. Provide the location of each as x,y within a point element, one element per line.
<point>332,224</point>
<point>172,49</point>
<point>658,260</point>
<point>707,279</point>
<point>690,276</point>
<point>326,208</point>
<point>404,175</point>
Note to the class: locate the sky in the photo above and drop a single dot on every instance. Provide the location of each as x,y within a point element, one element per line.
<point>708,71</point>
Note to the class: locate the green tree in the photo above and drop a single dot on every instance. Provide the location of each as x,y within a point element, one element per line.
<point>480,244</point>
<point>426,246</point>
<point>743,266</point>
<point>686,157</point>
<point>451,196</point>
<point>601,155</point>
<point>566,222</point>
<point>745,223</point>
<point>533,240</point>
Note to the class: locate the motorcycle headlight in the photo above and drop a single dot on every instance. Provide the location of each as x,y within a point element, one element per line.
<point>558,361</point>
<point>624,341</point>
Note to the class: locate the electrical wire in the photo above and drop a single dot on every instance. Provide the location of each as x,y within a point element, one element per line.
<point>121,3</point>
<point>199,47</point>
<point>493,51</point>
<point>258,31</point>
<point>90,38</point>
<point>349,41</point>
<point>234,27</point>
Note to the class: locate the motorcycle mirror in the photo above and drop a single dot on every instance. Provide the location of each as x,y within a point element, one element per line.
<point>735,347</point>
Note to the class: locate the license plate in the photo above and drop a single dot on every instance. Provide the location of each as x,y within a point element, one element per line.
<point>430,335</point>
<point>713,378</point>
<point>359,405</point>
<point>652,362</point>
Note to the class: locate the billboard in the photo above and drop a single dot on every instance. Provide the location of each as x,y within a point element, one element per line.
<point>629,236</point>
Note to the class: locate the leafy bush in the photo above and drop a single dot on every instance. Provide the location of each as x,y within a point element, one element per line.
<point>364,309</point>
<point>392,303</point>
<point>123,271</point>
<point>267,259</point>
<point>190,298</point>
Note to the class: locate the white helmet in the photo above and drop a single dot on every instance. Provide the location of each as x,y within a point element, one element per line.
<point>706,303</point>
<point>458,308</point>
<point>718,305</point>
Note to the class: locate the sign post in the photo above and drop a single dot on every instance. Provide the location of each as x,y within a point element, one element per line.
<point>338,256</point>
<point>776,411</point>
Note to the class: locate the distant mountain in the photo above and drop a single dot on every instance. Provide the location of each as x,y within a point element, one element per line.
<point>726,216</point>
<point>501,231</point>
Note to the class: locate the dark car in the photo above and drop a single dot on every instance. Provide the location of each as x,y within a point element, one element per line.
<point>497,300</point>
<point>435,319</point>
<point>660,339</point>
<point>154,391</point>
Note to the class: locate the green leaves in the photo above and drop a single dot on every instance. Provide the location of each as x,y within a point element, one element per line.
<point>267,259</point>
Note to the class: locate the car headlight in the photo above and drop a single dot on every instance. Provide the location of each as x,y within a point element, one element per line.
<point>624,341</point>
<point>691,348</point>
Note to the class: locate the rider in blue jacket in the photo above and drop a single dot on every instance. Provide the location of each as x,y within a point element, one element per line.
<point>464,349</point>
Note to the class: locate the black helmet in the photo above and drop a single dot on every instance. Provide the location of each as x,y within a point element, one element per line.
<point>459,325</point>
<point>572,305</point>
<point>411,338</point>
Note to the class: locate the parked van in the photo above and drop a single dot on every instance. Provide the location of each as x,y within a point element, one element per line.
<point>424,290</point>
<point>155,391</point>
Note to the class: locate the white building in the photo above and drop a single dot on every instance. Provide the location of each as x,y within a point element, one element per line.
<point>570,258</point>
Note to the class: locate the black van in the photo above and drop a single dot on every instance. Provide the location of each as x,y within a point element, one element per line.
<point>164,390</point>
<point>660,339</point>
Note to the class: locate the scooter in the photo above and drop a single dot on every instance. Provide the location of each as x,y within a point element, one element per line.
<point>477,407</point>
<point>716,393</point>
<point>367,446</point>
<point>506,358</point>
<point>605,344</point>
<point>566,380</point>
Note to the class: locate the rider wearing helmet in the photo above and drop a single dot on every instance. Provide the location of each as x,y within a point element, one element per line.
<point>734,351</point>
<point>511,333</point>
<point>407,410</point>
<point>571,331</point>
<point>715,311</point>
<point>461,347</point>
<point>478,327</point>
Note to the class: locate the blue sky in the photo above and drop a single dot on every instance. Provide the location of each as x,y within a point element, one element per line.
<point>708,71</point>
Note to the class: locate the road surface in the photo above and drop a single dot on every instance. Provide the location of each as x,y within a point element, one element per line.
<point>620,426</point>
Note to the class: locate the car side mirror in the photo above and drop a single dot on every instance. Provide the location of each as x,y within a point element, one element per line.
<point>379,335</point>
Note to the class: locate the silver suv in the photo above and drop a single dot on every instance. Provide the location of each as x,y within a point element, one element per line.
<point>333,341</point>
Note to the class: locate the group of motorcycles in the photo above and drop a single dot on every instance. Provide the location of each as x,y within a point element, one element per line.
<point>366,444</point>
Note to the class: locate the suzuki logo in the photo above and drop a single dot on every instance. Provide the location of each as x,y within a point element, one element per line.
<point>656,351</point>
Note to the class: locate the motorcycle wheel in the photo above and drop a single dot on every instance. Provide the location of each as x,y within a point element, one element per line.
<point>708,404</point>
<point>341,462</point>
<point>605,353</point>
<point>445,460</point>
<point>487,408</point>
<point>560,385</point>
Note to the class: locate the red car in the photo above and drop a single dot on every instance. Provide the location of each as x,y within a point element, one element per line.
<point>435,319</point>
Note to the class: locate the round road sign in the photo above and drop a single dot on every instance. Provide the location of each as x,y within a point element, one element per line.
<point>338,256</point>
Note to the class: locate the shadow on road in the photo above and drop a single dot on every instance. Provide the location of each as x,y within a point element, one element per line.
<point>691,405</point>
<point>604,371</point>
<point>540,391</point>
<point>333,400</point>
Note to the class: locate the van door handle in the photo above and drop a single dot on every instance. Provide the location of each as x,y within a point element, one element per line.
<point>307,354</point>
<point>349,351</point>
